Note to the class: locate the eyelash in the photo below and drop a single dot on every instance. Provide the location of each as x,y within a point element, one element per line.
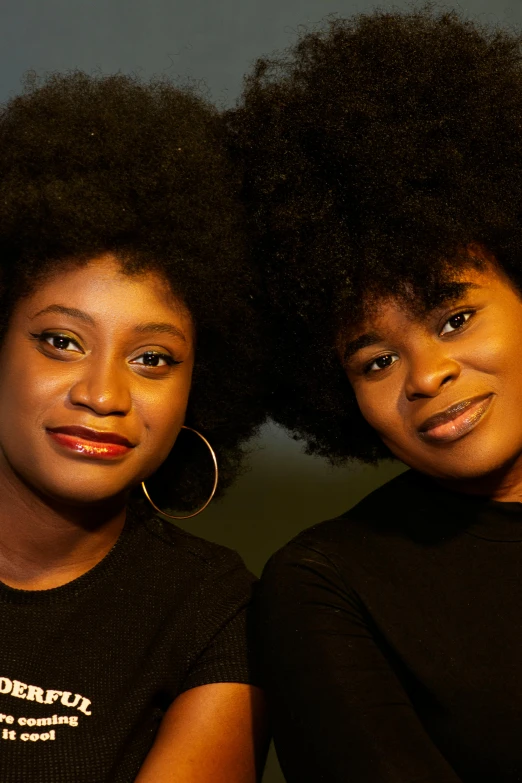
<point>469,313</point>
<point>169,361</point>
<point>45,337</point>
<point>367,368</point>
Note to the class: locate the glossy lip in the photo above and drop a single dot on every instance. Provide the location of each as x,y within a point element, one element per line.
<point>455,421</point>
<point>91,443</point>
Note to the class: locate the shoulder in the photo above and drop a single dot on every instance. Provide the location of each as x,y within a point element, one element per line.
<point>174,559</point>
<point>172,541</point>
<point>375,515</point>
<point>384,522</point>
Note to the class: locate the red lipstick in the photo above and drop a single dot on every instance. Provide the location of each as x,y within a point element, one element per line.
<point>91,443</point>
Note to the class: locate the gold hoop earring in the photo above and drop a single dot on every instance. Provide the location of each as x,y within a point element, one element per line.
<point>216,477</point>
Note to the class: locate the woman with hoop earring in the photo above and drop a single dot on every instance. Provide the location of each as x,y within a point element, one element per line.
<point>128,316</point>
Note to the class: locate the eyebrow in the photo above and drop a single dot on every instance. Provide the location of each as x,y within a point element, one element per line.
<point>143,328</point>
<point>160,328</point>
<point>363,341</point>
<point>62,310</point>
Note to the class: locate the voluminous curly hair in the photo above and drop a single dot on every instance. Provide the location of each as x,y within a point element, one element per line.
<point>96,164</point>
<point>375,152</point>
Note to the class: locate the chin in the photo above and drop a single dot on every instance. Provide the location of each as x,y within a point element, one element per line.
<point>76,490</point>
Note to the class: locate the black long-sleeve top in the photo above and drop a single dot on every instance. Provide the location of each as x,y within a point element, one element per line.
<point>391,641</point>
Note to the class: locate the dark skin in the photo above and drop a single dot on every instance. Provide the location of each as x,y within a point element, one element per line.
<point>93,347</point>
<point>466,352</point>
<point>60,510</point>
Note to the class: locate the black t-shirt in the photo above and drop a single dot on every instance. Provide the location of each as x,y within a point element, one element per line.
<point>87,670</point>
<point>392,641</point>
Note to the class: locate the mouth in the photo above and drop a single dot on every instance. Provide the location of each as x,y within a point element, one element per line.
<point>90,443</point>
<point>456,421</point>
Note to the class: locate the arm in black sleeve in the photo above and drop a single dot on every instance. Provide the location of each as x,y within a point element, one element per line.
<point>340,713</point>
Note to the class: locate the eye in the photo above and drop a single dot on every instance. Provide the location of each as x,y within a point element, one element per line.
<point>60,342</point>
<point>381,363</point>
<point>155,359</point>
<point>456,321</point>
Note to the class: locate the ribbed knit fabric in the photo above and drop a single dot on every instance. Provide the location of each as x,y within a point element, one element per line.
<point>88,669</point>
<point>392,641</point>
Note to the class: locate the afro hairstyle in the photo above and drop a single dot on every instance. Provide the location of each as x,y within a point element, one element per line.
<point>375,152</point>
<point>91,164</point>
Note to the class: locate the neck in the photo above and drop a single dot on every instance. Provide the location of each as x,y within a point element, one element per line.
<point>504,484</point>
<point>46,543</point>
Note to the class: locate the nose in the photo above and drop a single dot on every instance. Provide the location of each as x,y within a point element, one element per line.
<point>103,388</point>
<point>429,371</point>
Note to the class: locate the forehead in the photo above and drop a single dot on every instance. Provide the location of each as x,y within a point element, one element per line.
<point>102,285</point>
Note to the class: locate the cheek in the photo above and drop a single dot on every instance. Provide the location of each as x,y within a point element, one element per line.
<point>492,355</point>
<point>162,413</point>
<point>27,392</point>
<point>380,407</point>
<point>493,364</point>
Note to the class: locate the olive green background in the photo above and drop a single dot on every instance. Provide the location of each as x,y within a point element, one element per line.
<point>282,490</point>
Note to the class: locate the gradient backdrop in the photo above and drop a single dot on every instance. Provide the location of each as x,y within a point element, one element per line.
<point>283,490</point>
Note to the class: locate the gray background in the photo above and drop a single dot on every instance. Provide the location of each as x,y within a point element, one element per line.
<point>283,491</point>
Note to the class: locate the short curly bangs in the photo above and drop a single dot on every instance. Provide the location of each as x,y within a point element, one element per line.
<point>93,164</point>
<point>375,152</point>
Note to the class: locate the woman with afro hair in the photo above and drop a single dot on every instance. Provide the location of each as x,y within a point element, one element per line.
<point>383,176</point>
<point>128,317</point>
